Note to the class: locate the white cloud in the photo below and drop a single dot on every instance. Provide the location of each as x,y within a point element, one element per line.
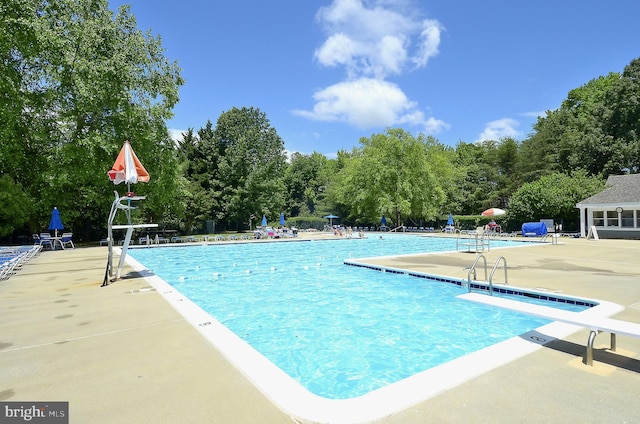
<point>495,130</point>
<point>367,103</point>
<point>434,126</point>
<point>373,40</point>
<point>540,114</point>
<point>339,49</point>
<point>430,41</point>
<point>391,55</point>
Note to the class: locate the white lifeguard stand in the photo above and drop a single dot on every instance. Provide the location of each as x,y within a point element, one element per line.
<point>121,203</point>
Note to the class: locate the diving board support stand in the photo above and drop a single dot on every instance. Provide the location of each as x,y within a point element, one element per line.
<point>121,203</point>
<point>596,325</point>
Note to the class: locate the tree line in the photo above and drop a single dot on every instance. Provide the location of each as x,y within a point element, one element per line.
<point>77,80</point>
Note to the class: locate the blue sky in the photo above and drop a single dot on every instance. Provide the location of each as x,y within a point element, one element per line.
<point>328,72</point>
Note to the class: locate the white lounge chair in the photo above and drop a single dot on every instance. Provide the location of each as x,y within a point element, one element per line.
<point>67,240</point>
<point>44,240</point>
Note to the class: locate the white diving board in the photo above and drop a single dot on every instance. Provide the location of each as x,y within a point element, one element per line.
<point>125,226</point>
<point>595,324</point>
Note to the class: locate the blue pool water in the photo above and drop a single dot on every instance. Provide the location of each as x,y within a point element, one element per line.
<point>341,331</point>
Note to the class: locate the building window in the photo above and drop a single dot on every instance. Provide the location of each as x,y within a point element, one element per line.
<point>612,219</point>
<point>627,219</point>
<point>598,218</point>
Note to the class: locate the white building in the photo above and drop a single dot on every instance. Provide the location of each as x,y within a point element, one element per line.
<point>615,211</point>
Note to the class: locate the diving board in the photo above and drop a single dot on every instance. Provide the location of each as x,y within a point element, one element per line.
<point>594,324</point>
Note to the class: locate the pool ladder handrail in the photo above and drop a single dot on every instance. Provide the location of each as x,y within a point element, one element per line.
<point>495,266</point>
<point>472,269</point>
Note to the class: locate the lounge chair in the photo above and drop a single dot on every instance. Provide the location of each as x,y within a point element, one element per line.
<point>44,240</point>
<point>9,267</point>
<point>67,240</point>
<point>12,259</point>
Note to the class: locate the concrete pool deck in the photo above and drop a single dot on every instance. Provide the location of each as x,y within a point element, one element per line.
<point>122,354</point>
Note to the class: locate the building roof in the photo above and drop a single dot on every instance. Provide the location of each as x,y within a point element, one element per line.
<point>620,189</point>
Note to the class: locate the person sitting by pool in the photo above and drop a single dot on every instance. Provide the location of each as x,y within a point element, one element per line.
<point>493,226</point>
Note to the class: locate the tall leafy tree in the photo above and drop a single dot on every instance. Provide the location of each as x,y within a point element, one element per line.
<point>390,174</point>
<point>489,173</point>
<point>195,200</point>
<point>22,121</point>
<point>622,120</point>
<point>203,154</point>
<point>251,166</point>
<point>595,129</point>
<point>82,82</point>
<point>305,179</point>
<point>553,196</point>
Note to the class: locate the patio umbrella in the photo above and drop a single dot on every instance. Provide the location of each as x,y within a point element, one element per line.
<point>494,212</point>
<point>264,221</point>
<point>55,223</point>
<point>450,220</point>
<point>383,221</point>
<point>282,220</point>
<point>330,218</point>
<point>128,168</point>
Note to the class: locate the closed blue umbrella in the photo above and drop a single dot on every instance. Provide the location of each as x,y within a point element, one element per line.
<point>450,220</point>
<point>264,221</point>
<point>383,221</point>
<point>55,223</point>
<point>282,219</point>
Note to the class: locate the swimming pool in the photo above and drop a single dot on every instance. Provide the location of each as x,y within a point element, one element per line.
<point>341,332</point>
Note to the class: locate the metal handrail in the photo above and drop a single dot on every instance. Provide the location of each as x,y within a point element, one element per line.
<point>495,266</point>
<point>473,269</point>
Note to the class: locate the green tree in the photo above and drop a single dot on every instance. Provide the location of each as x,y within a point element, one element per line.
<point>251,166</point>
<point>195,199</point>
<point>82,81</point>
<point>17,205</point>
<point>305,179</point>
<point>554,197</point>
<point>389,174</point>
<point>622,121</point>
<point>594,129</point>
<point>488,173</point>
<point>203,154</point>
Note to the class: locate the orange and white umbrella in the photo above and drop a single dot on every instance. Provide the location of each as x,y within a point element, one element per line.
<point>494,212</point>
<point>128,168</point>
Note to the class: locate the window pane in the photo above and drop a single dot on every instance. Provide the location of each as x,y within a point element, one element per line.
<point>627,219</point>
<point>612,218</point>
<point>598,218</point>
